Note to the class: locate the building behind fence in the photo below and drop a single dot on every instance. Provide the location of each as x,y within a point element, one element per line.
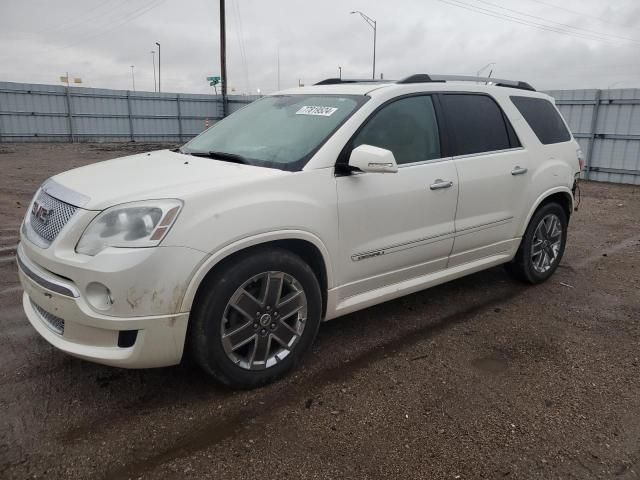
<point>605,122</point>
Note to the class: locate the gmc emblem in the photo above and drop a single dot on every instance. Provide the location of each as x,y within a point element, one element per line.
<point>41,213</point>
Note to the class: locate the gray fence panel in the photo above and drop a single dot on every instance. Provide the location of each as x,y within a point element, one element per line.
<point>41,113</point>
<point>100,113</point>
<point>28,110</point>
<point>606,123</point>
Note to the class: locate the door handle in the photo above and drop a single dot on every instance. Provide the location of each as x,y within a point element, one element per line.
<point>439,184</point>
<point>519,170</point>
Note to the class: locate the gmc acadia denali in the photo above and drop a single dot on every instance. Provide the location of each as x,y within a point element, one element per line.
<point>305,205</point>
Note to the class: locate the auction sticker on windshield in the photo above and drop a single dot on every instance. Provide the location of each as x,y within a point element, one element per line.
<point>315,110</point>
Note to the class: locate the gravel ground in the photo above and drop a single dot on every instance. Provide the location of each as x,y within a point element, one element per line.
<point>479,378</point>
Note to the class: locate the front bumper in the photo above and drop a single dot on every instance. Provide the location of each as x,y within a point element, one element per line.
<point>57,308</point>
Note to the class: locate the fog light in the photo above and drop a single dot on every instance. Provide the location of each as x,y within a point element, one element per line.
<point>99,296</point>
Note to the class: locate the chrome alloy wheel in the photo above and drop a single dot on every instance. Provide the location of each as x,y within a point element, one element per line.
<point>264,320</point>
<point>547,240</point>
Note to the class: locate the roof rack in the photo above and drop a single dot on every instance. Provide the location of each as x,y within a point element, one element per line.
<point>335,81</point>
<point>424,78</point>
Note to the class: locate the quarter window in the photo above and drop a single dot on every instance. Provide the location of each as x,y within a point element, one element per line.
<point>543,118</point>
<point>408,127</point>
<point>477,124</point>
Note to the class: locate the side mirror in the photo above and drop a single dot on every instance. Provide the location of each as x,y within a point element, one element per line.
<point>367,158</point>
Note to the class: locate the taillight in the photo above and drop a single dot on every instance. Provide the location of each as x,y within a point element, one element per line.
<point>580,158</point>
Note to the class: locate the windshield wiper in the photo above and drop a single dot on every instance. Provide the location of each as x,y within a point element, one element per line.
<point>227,157</point>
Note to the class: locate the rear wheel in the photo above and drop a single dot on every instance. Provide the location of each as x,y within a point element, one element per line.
<point>256,318</point>
<point>542,246</point>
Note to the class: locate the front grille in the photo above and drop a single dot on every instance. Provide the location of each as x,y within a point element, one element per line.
<point>55,324</point>
<point>49,215</point>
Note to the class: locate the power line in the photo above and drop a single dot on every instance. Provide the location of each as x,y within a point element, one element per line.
<point>61,25</point>
<point>510,18</point>
<point>129,17</point>
<point>601,34</point>
<point>82,20</point>
<point>240,39</point>
<point>530,23</point>
<point>600,19</point>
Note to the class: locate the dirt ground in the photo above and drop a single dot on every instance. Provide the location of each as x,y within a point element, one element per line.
<point>479,378</point>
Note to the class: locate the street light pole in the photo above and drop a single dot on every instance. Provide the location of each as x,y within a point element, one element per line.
<point>159,63</point>
<point>133,78</point>
<point>340,70</point>
<point>373,24</point>
<point>155,85</point>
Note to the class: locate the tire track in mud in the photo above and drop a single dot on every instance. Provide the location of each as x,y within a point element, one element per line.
<point>217,430</point>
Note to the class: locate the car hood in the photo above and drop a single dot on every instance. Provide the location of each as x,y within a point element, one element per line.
<point>160,174</point>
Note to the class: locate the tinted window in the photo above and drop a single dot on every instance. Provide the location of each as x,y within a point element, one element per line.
<point>477,124</point>
<point>407,127</point>
<point>543,118</point>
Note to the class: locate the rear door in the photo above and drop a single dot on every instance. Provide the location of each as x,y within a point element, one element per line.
<point>396,226</point>
<point>493,171</point>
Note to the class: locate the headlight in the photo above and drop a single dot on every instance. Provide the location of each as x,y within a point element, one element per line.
<point>137,224</point>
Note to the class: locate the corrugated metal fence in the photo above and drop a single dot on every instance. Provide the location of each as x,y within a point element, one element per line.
<point>44,113</point>
<point>605,122</point>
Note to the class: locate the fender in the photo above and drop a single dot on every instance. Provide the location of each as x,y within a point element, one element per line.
<point>218,255</point>
<point>539,200</point>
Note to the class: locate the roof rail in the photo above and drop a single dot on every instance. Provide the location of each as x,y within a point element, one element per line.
<point>424,78</point>
<point>335,81</point>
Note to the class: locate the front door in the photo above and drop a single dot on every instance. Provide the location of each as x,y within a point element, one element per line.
<point>396,226</point>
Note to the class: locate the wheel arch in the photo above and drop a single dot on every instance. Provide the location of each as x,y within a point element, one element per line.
<point>560,195</point>
<point>304,244</point>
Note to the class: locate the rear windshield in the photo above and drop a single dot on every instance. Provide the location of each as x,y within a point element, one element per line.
<point>543,118</point>
<point>280,131</point>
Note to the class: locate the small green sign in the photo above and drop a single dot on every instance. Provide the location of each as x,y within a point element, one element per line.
<point>213,80</point>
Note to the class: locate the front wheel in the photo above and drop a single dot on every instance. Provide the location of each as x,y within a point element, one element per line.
<point>254,319</point>
<point>542,246</point>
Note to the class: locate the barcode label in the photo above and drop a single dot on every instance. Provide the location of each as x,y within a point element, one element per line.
<point>314,110</point>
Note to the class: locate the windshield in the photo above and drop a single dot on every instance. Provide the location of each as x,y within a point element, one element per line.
<point>280,131</point>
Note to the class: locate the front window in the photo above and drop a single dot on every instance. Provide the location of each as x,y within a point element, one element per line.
<point>281,131</point>
<point>408,127</point>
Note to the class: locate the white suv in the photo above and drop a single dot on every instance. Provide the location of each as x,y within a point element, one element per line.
<point>304,206</point>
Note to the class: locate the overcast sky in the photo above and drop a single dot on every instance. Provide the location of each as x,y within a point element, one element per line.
<point>552,44</point>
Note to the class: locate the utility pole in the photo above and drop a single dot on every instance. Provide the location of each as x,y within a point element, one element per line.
<point>155,85</point>
<point>159,61</point>
<point>340,73</point>
<point>223,58</point>
<point>278,68</point>
<point>133,78</point>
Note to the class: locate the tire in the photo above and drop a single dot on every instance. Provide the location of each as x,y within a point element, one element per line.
<point>272,283</point>
<point>529,266</point>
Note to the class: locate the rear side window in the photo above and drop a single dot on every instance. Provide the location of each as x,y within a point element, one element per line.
<point>476,123</point>
<point>408,127</point>
<point>543,118</point>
